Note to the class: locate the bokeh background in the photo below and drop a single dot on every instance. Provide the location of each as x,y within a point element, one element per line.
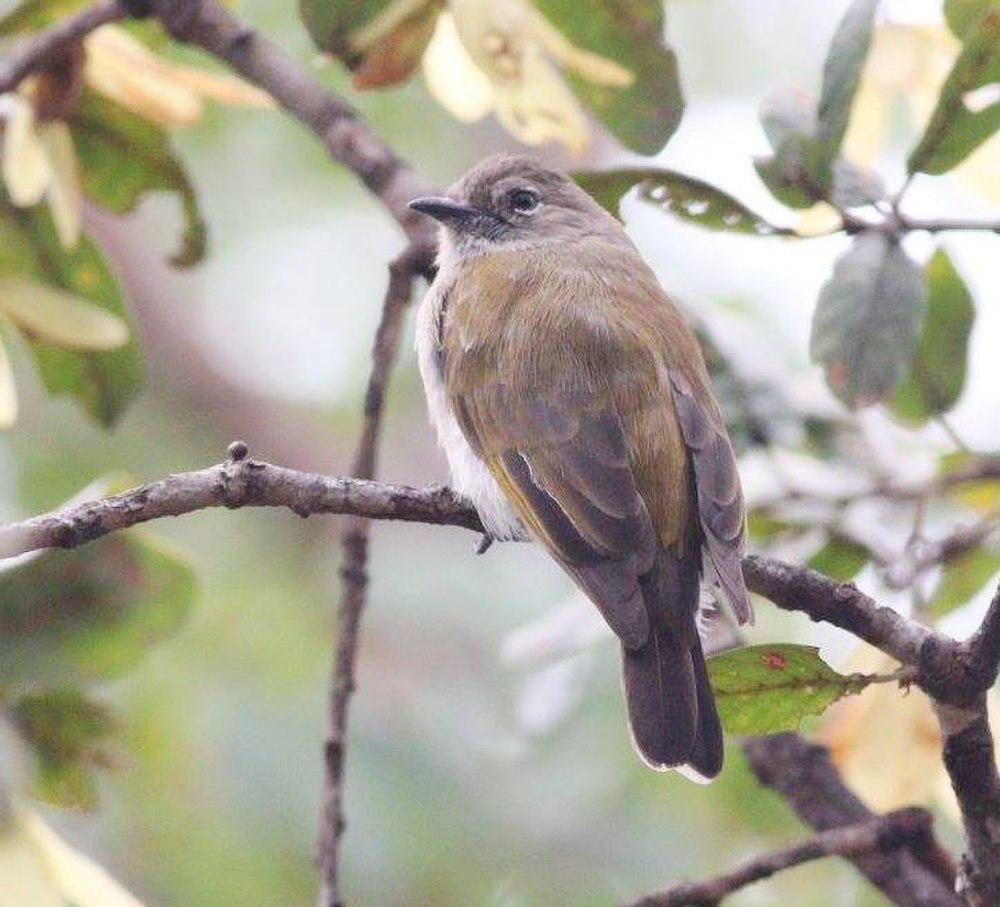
<point>482,769</point>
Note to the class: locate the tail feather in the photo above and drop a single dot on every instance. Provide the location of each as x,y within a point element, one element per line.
<point>671,710</point>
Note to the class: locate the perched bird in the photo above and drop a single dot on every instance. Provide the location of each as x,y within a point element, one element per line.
<point>574,407</point>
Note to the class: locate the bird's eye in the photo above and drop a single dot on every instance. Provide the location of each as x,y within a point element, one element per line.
<point>524,201</point>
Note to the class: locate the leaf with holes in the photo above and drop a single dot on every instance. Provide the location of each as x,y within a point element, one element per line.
<point>867,320</point>
<point>688,198</point>
<point>766,689</point>
<point>123,157</point>
<point>963,578</point>
<point>645,114</point>
<point>67,733</point>
<point>937,375</point>
<point>73,617</point>
<point>959,124</point>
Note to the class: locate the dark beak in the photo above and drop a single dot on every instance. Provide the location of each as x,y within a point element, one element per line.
<point>445,210</point>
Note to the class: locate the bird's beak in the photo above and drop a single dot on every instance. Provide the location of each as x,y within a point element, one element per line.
<point>445,210</point>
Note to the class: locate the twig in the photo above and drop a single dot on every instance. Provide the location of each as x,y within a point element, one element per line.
<point>881,834</point>
<point>922,875</point>
<point>355,580</point>
<point>36,51</point>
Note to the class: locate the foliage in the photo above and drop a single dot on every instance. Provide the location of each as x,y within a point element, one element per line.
<point>771,688</point>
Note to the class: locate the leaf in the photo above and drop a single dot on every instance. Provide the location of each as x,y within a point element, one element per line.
<point>766,689</point>
<point>80,881</point>
<point>60,318</point>
<point>392,57</point>
<point>961,15</point>
<point>840,558</point>
<point>855,186</point>
<point>841,74</point>
<point>690,199</point>
<point>332,24</point>
<point>123,157</point>
<point>31,15</point>
<point>982,495</point>
<point>644,115</point>
<point>72,617</point>
<point>867,320</point>
<point>955,130</point>
<point>962,578</point>
<point>8,390</point>
<point>103,382</point>
<point>937,375</point>
<point>66,732</point>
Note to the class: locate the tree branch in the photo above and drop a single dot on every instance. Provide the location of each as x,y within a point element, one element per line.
<point>208,25</point>
<point>878,835</point>
<point>402,273</point>
<point>920,876</point>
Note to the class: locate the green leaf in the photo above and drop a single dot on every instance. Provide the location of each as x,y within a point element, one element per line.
<point>841,74</point>
<point>937,375</point>
<point>31,15</point>
<point>766,689</point>
<point>123,157</point>
<point>688,198</point>
<point>331,24</point>
<point>840,558</point>
<point>955,130</point>
<point>72,617</point>
<point>67,732</point>
<point>962,578</point>
<point>961,15</point>
<point>867,320</point>
<point>982,495</point>
<point>103,382</point>
<point>644,115</point>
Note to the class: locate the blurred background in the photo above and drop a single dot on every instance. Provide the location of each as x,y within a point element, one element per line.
<point>484,768</point>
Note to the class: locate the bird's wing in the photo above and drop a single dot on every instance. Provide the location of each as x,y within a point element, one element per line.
<point>720,498</point>
<point>564,464</point>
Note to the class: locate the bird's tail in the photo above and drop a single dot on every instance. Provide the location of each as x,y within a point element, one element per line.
<point>671,709</point>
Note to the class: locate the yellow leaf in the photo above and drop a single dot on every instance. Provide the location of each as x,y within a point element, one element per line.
<point>65,196</point>
<point>820,219</point>
<point>507,43</point>
<point>24,874</point>
<point>80,880</point>
<point>125,70</point>
<point>26,169</point>
<point>8,391</point>
<point>60,318</point>
<point>222,88</point>
<point>452,77</point>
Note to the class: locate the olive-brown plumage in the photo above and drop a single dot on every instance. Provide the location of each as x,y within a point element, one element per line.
<point>571,396</point>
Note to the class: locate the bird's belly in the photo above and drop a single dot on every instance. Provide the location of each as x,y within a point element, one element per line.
<point>470,476</point>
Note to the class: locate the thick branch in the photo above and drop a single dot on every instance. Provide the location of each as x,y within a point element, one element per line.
<point>881,834</point>
<point>238,482</point>
<point>919,876</point>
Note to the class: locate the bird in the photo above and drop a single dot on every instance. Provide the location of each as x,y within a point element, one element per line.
<point>574,408</point>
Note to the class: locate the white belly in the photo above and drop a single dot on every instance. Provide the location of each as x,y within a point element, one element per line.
<point>469,475</point>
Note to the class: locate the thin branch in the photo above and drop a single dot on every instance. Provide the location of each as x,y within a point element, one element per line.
<point>35,52</point>
<point>402,273</point>
<point>881,834</point>
<point>921,875</point>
